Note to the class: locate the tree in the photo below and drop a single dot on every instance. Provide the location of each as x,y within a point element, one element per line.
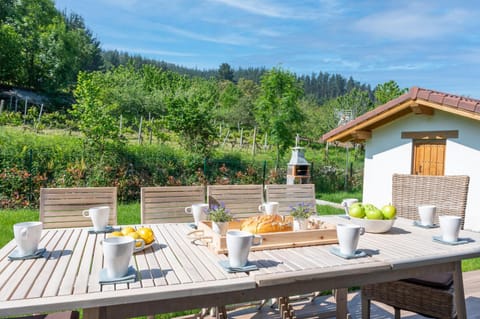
<point>94,116</point>
<point>189,114</point>
<point>11,61</point>
<point>225,72</point>
<point>334,111</point>
<point>277,110</point>
<point>387,91</point>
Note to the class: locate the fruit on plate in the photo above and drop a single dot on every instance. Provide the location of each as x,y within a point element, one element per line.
<point>115,234</point>
<point>146,234</point>
<point>389,211</point>
<point>135,235</point>
<point>356,210</point>
<point>126,230</point>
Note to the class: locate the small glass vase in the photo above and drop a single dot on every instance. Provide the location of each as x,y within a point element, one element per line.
<point>220,228</point>
<point>300,224</point>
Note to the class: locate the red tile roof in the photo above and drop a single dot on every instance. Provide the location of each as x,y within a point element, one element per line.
<point>454,102</point>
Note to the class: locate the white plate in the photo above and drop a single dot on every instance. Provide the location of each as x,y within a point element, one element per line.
<point>145,247</point>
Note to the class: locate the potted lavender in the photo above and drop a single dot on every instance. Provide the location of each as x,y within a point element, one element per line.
<point>219,215</point>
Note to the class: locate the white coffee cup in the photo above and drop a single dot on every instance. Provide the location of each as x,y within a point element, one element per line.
<point>117,252</point>
<point>27,236</point>
<point>198,211</point>
<point>348,236</point>
<point>99,216</point>
<point>450,227</point>
<point>269,208</point>
<point>427,214</point>
<point>238,245</point>
<point>347,202</point>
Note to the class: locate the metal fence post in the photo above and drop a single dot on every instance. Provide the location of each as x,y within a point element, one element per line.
<point>30,171</point>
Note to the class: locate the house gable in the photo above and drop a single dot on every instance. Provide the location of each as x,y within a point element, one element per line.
<point>417,101</point>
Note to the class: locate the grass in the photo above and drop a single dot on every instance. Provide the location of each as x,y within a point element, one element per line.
<point>339,196</point>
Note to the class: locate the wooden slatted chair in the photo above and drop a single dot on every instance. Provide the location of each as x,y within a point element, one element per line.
<point>56,315</point>
<point>290,195</point>
<point>432,294</point>
<point>167,204</point>
<point>62,207</point>
<point>241,200</point>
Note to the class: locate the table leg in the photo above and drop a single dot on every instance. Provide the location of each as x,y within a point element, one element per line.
<point>459,291</point>
<point>341,301</point>
<point>94,313</point>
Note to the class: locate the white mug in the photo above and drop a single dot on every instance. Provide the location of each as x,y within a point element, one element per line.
<point>199,212</point>
<point>117,252</point>
<point>347,202</point>
<point>238,245</point>
<point>450,227</point>
<point>269,208</point>
<point>27,236</point>
<point>99,216</point>
<point>427,214</point>
<point>348,236</point>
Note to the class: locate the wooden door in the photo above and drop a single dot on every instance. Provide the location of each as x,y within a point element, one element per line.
<point>428,157</point>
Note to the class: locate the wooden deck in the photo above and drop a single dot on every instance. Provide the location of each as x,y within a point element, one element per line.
<point>305,309</point>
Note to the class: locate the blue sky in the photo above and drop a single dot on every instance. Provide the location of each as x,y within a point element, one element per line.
<point>430,44</point>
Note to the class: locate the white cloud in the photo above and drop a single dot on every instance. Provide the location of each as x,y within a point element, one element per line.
<point>265,8</point>
<point>231,39</point>
<point>413,23</point>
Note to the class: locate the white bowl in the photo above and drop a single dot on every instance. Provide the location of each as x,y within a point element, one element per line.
<point>373,225</point>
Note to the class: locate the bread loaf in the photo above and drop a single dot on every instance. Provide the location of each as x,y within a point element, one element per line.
<point>266,224</point>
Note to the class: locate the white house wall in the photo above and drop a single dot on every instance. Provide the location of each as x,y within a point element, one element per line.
<point>387,153</point>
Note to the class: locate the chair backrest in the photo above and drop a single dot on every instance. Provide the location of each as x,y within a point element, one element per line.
<point>291,195</point>
<point>448,193</point>
<point>241,200</point>
<point>166,204</point>
<point>62,207</point>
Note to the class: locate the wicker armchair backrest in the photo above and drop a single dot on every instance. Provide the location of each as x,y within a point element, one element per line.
<point>448,193</point>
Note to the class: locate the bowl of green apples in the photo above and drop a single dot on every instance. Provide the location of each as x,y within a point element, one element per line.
<point>372,218</point>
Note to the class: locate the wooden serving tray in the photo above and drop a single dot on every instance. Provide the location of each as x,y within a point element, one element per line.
<point>286,239</point>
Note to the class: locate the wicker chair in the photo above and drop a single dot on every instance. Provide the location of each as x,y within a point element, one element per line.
<point>432,294</point>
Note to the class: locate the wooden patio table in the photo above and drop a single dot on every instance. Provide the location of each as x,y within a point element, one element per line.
<point>175,274</point>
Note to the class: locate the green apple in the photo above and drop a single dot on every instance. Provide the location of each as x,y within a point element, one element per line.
<point>389,211</point>
<point>373,213</point>
<point>356,210</point>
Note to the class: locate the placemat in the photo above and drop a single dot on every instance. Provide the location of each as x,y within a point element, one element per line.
<point>131,276</point>
<point>419,224</point>
<point>358,253</point>
<point>15,255</point>
<point>108,229</point>
<point>460,241</point>
<point>248,267</point>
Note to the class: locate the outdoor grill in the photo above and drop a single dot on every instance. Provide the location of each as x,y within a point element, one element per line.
<point>298,171</point>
